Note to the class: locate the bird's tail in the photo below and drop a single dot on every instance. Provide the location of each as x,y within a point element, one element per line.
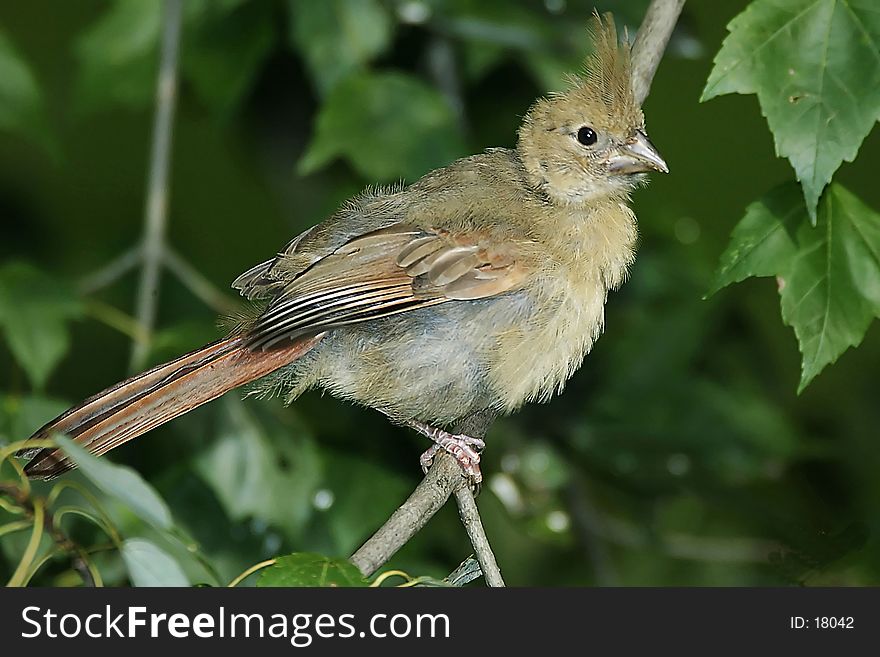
<point>147,400</point>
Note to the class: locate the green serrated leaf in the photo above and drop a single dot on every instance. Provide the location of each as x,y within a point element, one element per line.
<point>815,66</point>
<point>122,483</point>
<point>34,312</point>
<point>829,275</point>
<point>308,569</point>
<point>337,37</point>
<point>150,565</point>
<point>387,126</point>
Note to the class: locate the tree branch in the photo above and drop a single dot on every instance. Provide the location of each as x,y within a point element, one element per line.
<point>111,272</point>
<point>650,43</point>
<point>426,500</point>
<point>473,525</point>
<point>156,214</point>
<point>445,477</point>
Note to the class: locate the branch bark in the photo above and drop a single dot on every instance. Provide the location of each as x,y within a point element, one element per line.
<point>445,478</point>
<point>156,214</point>
<point>426,500</point>
<point>650,43</point>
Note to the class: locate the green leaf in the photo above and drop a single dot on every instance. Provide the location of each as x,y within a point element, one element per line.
<point>34,312</point>
<point>308,569</point>
<point>258,470</point>
<point>829,275</point>
<point>21,101</point>
<point>150,565</point>
<point>338,37</point>
<point>122,483</point>
<point>387,126</point>
<point>815,66</point>
<point>118,55</point>
<point>223,52</point>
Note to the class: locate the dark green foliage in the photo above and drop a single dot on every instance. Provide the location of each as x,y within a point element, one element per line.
<point>34,312</point>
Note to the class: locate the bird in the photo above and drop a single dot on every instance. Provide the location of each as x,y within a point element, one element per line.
<point>476,289</point>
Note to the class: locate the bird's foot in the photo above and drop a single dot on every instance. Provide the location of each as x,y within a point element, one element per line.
<point>464,449</point>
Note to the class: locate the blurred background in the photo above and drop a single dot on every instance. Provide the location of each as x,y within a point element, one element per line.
<point>680,454</point>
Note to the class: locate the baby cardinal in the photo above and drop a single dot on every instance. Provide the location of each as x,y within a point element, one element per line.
<point>474,290</point>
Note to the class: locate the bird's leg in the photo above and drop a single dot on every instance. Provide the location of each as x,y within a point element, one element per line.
<point>464,449</point>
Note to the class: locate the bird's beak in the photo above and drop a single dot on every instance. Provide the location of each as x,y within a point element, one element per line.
<point>636,156</point>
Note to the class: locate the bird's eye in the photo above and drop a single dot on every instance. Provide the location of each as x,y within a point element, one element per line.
<point>587,136</point>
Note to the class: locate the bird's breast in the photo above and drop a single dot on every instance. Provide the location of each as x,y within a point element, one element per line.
<point>567,293</point>
<point>539,354</point>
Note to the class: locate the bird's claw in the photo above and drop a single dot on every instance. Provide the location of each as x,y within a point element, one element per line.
<point>464,449</point>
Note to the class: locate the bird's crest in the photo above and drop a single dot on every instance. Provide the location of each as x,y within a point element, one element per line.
<point>603,90</point>
<point>607,75</point>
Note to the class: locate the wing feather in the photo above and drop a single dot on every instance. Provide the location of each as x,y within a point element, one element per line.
<point>385,272</point>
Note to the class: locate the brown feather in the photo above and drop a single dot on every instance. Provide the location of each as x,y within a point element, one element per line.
<point>385,272</point>
<point>143,402</point>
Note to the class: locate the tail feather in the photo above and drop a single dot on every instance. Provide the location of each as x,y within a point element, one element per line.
<point>145,401</point>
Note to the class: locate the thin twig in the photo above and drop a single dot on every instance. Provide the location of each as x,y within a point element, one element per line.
<point>473,525</point>
<point>650,43</point>
<point>156,213</point>
<point>19,577</point>
<point>443,479</point>
<point>37,511</point>
<point>111,272</point>
<point>250,571</point>
<point>79,560</point>
<point>428,498</point>
<point>198,284</point>
<point>115,318</point>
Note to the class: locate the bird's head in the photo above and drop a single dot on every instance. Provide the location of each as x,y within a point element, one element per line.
<point>589,141</point>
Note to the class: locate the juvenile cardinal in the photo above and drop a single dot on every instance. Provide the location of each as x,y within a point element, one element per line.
<point>474,290</point>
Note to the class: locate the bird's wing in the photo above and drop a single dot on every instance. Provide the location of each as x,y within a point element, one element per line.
<point>263,280</point>
<point>372,210</point>
<point>381,273</point>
